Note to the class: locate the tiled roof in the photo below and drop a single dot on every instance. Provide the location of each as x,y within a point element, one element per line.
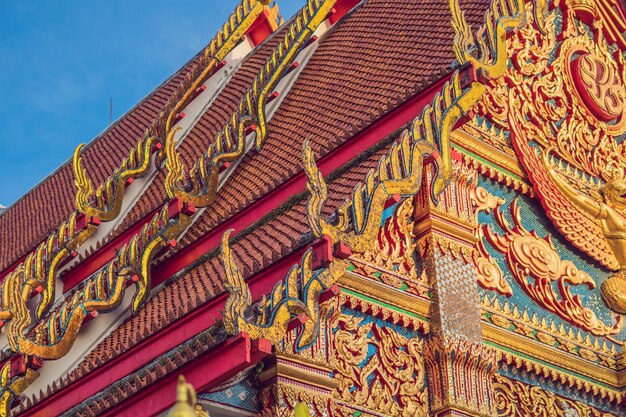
<point>377,58</point>
<point>275,239</point>
<point>380,56</point>
<point>32,218</point>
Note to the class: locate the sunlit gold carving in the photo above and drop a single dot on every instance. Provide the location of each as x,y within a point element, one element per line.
<point>110,195</point>
<point>532,257</point>
<point>392,381</point>
<point>517,399</point>
<point>549,332</point>
<point>282,399</point>
<point>567,378</point>
<point>199,184</point>
<point>487,50</point>
<point>490,276</point>
<point>459,376</point>
<point>567,98</point>
<point>395,245</point>
<point>107,201</point>
<point>399,172</point>
<point>12,387</point>
<point>297,295</point>
<point>599,86</point>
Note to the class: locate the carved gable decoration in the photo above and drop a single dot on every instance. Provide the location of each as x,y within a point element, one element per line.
<point>562,102</point>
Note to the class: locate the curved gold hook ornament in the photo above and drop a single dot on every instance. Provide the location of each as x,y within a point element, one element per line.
<point>107,201</point>
<point>297,295</point>
<point>109,196</point>
<point>202,179</point>
<point>54,336</point>
<point>12,387</point>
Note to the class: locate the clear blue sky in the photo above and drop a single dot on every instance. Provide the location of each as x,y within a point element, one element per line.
<point>61,61</point>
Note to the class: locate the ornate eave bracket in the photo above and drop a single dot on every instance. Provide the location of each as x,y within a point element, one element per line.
<point>106,202</point>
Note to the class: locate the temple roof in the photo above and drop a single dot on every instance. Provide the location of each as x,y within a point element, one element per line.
<point>378,58</point>
<point>331,101</point>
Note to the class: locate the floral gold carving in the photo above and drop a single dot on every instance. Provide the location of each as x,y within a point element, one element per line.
<point>459,375</point>
<point>564,95</point>
<point>517,399</point>
<point>599,86</point>
<point>489,274</point>
<point>389,381</point>
<point>395,245</point>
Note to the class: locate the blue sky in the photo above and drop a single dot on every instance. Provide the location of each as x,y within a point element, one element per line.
<point>61,61</point>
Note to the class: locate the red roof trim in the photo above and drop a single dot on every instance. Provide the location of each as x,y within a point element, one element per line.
<point>210,369</point>
<point>269,202</point>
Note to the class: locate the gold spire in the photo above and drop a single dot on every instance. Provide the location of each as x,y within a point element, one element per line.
<point>186,402</point>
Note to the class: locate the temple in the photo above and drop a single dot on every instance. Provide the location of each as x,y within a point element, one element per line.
<point>373,208</point>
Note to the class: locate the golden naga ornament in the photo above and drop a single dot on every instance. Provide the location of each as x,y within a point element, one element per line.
<point>106,202</point>
<point>12,387</point>
<point>533,258</point>
<point>38,272</point>
<point>297,295</point>
<point>399,173</point>
<point>199,184</point>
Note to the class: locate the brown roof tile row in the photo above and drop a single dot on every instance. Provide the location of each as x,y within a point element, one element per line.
<point>265,245</point>
<point>37,214</point>
<point>324,106</point>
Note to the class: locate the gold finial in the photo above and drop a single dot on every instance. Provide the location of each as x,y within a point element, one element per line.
<point>300,410</point>
<point>185,401</point>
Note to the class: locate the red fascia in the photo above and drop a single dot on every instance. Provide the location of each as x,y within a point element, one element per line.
<point>262,283</point>
<point>158,344</point>
<point>296,184</point>
<point>261,28</point>
<point>341,8</point>
<point>208,370</point>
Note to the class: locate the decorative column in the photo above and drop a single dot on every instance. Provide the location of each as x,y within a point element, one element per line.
<point>459,367</point>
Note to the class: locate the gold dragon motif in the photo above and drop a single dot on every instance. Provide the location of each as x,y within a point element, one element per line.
<point>230,143</point>
<point>295,296</point>
<point>107,201</point>
<point>399,172</point>
<point>53,336</point>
